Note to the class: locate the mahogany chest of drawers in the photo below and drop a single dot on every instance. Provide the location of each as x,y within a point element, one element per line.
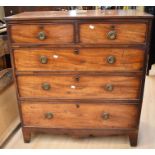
<point>80,73</point>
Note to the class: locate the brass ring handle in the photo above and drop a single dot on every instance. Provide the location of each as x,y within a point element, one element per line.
<point>111,59</point>
<point>43,59</point>
<point>48,115</point>
<point>105,115</point>
<point>41,35</point>
<point>109,87</point>
<point>46,86</point>
<point>112,35</point>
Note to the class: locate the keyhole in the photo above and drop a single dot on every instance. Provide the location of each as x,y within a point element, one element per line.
<point>77,105</point>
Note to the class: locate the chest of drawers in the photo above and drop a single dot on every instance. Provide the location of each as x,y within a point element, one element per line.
<point>80,73</point>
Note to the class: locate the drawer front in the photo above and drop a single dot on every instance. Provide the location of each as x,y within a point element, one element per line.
<point>79,87</point>
<point>81,116</point>
<point>95,59</point>
<point>49,34</point>
<point>113,33</point>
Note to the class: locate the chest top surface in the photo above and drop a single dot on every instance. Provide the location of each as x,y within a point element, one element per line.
<point>80,14</point>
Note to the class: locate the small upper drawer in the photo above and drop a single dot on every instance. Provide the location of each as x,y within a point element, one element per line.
<point>49,34</point>
<point>113,33</point>
<point>106,59</point>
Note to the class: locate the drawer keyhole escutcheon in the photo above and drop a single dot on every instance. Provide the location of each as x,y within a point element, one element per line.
<point>77,78</point>
<point>109,87</point>
<point>113,27</point>
<point>111,35</point>
<point>111,59</point>
<point>41,35</point>
<point>43,60</point>
<point>76,51</point>
<point>46,86</point>
<point>77,106</point>
<point>105,116</point>
<point>48,115</point>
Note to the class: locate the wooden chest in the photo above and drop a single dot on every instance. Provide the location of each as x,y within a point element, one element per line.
<point>80,73</point>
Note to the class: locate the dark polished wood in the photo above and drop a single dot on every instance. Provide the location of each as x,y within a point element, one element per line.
<point>133,137</point>
<point>80,73</point>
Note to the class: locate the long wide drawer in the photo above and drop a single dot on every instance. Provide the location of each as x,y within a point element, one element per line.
<point>95,59</point>
<point>47,33</point>
<point>121,33</point>
<point>79,87</point>
<point>82,116</point>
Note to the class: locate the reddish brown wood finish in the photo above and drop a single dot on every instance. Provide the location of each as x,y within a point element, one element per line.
<point>125,33</point>
<point>86,87</point>
<point>54,33</point>
<point>26,135</point>
<point>87,14</point>
<point>133,137</point>
<point>84,59</point>
<point>74,116</point>
<point>65,33</point>
<point>83,133</point>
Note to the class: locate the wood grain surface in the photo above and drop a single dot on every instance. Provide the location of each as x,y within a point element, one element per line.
<point>81,76</point>
<point>88,59</point>
<point>85,116</point>
<point>126,33</point>
<point>80,14</point>
<point>146,141</point>
<point>55,33</point>
<point>88,87</point>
